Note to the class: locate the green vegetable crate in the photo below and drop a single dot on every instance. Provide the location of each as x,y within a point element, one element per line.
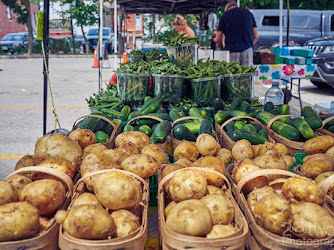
<point>182,55</point>
<point>136,58</point>
<point>237,85</point>
<point>205,90</point>
<point>132,87</point>
<point>168,88</point>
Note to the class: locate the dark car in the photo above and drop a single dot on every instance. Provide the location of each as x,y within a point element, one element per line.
<point>92,38</point>
<point>12,41</point>
<point>324,58</point>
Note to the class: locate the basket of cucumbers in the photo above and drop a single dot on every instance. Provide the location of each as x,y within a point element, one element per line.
<point>327,127</point>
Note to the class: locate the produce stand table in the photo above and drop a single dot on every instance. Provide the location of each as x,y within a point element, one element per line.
<point>265,73</point>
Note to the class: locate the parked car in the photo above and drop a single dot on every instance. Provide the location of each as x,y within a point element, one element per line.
<point>14,40</point>
<point>92,38</point>
<point>304,25</point>
<point>324,58</point>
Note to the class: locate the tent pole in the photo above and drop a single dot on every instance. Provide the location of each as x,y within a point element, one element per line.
<point>280,23</point>
<point>101,44</point>
<point>46,7</point>
<point>288,24</point>
<point>115,32</point>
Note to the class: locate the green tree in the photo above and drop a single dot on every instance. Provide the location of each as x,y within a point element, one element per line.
<point>22,9</point>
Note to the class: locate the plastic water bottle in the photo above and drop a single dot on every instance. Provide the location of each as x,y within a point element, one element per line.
<point>331,109</point>
<point>274,94</point>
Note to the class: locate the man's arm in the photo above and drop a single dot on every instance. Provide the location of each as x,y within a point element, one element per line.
<point>218,39</point>
<point>255,35</point>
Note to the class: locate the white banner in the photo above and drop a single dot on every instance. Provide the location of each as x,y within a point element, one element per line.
<point>60,29</point>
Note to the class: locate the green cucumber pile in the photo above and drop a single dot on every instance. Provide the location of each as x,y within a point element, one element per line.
<point>329,125</point>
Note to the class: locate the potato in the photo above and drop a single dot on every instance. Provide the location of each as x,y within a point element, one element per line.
<point>218,147</point>
<point>141,165</point>
<point>206,144</point>
<point>330,152</point>
<point>317,164</point>
<point>257,194</point>
<point>18,220</point>
<point>190,217</point>
<point>117,155</point>
<point>184,162</point>
<point>44,223</point>
<point>187,184</point>
<point>212,163</point>
<point>7,193</point>
<point>117,190</point>
<point>218,231</point>
<point>289,161</point>
<point>84,137</point>
<point>268,161</point>
<point>46,195</point>
<point>18,182</point>
<point>225,155</point>
<point>311,221</point>
<point>86,199</point>
<point>93,163</point>
<point>268,148</point>
<point>28,160</point>
<point>214,190</point>
<point>93,149</point>
<point>323,176</point>
<point>126,222</point>
<point>156,152</point>
<point>169,207</point>
<point>186,150</point>
<point>301,189</point>
<point>139,139</point>
<point>59,164</point>
<point>318,145</point>
<point>221,208</point>
<point>129,148</point>
<point>87,222</point>
<point>58,146</point>
<point>277,184</point>
<point>282,150</point>
<point>242,150</point>
<point>167,169</point>
<point>273,213</point>
<point>256,149</point>
<point>245,167</point>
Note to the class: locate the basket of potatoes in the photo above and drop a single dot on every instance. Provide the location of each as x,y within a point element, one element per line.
<point>108,217</point>
<point>28,207</point>
<point>196,210</point>
<point>286,213</point>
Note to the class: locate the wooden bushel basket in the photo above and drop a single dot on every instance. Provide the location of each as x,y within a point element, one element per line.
<point>133,241</point>
<point>327,185</point>
<point>176,142</point>
<point>225,140</point>
<point>48,238</point>
<point>117,129</point>
<point>265,239</point>
<point>324,131</point>
<point>163,145</point>
<point>170,239</point>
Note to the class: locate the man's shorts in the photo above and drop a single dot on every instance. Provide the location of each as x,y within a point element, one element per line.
<point>244,57</point>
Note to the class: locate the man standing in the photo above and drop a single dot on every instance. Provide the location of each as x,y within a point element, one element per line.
<point>237,32</point>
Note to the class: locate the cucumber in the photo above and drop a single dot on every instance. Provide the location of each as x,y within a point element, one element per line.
<point>303,127</point>
<point>150,107</point>
<point>204,112</point>
<point>101,137</point>
<point>146,130</point>
<point>133,115</point>
<point>128,128</point>
<point>146,99</point>
<point>126,110</point>
<point>258,127</point>
<point>146,121</point>
<point>230,125</point>
<point>181,132</point>
<point>246,107</point>
<point>222,116</point>
<point>311,117</point>
<point>252,114</point>
<point>239,125</point>
<point>252,137</point>
<point>88,123</point>
<point>174,114</point>
<point>284,110</point>
<point>268,106</point>
<point>328,124</point>
<point>250,128</point>
<point>115,113</point>
<point>205,128</point>
<point>230,133</point>
<point>162,116</point>
<point>196,113</point>
<point>161,131</point>
<point>193,126</point>
<point>161,110</point>
<point>263,133</point>
<point>331,128</point>
<point>109,129</point>
<point>235,113</point>
<point>100,125</point>
<point>235,103</point>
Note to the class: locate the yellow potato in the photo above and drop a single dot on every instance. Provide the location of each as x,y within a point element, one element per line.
<point>117,155</point>
<point>323,176</point>
<point>206,145</point>
<point>7,193</point>
<point>289,160</point>
<point>46,195</point>
<point>257,194</point>
<point>59,164</point>
<point>330,152</point>
<point>282,150</point>
<point>18,182</point>
<point>93,149</point>
<point>218,231</point>
<point>156,152</point>
<point>225,155</point>
<point>268,148</point>
<point>169,207</point>
<point>84,137</point>
<point>190,217</point>
<point>297,189</point>
<point>184,162</point>
<point>28,160</point>
<point>138,138</point>
<point>141,165</point>
<point>18,220</point>
<point>86,199</point>
<point>317,164</point>
<point>126,222</point>
<point>256,149</point>
<point>273,213</point>
<point>214,190</point>
<point>318,145</point>
<point>242,150</point>
<point>268,161</point>
<point>167,169</point>
<point>212,163</point>
<point>221,208</point>
<point>117,191</point>
<point>186,150</point>
<point>129,148</point>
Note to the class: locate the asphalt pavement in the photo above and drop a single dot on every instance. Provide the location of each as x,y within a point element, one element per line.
<point>72,79</point>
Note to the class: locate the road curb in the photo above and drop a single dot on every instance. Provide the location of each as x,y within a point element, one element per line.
<point>50,56</point>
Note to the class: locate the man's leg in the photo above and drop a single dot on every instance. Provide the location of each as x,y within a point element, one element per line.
<point>246,57</point>
<point>235,57</point>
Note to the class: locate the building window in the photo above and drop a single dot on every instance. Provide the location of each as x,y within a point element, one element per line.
<point>332,23</point>
<point>9,15</point>
<point>138,22</point>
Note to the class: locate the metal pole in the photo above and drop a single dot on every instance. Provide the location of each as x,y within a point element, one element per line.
<point>115,32</point>
<point>46,7</point>
<point>101,44</point>
<point>73,44</point>
<point>280,23</point>
<point>288,24</point>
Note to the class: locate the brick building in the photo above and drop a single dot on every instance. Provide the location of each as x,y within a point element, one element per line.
<point>8,23</point>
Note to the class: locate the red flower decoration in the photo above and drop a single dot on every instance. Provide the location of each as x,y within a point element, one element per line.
<point>256,73</point>
<point>288,70</point>
<point>301,72</point>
